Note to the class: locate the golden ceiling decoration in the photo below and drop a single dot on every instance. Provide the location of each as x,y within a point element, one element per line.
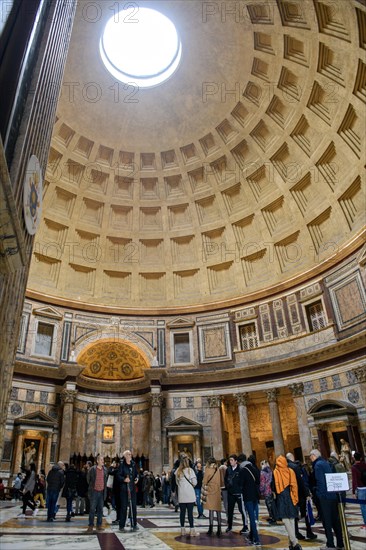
<point>111,360</point>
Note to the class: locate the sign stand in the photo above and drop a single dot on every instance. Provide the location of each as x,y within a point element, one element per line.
<point>335,484</point>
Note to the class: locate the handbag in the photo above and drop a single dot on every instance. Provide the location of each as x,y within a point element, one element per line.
<point>110,480</point>
<point>204,489</point>
<point>309,512</point>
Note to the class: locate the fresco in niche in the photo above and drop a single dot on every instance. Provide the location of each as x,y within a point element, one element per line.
<point>113,360</point>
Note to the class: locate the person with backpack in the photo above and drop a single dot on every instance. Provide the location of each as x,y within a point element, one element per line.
<point>359,483</point>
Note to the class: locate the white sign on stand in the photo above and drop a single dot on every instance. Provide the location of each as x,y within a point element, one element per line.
<point>337,482</point>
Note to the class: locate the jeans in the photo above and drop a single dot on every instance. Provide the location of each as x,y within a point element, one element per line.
<point>52,496</point>
<point>253,533</point>
<point>198,501</point>
<point>361,495</point>
<point>69,505</point>
<point>96,505</point>
<point>183,506</point>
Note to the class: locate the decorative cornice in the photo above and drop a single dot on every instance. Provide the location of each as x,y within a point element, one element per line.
<point>297,389</point>
<point>360,374</point>
<point>272,395</point>
<point>214,401</point>
<point>68,396</point>
<point>242,398</point>
<point>92,407</point>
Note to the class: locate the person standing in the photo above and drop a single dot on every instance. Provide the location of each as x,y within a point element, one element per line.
<point>186,481</point>
<point>304,494</point>
<point>127,478</point>
<point>70,489</point>
<point>266,491</point>
<point>211,484</point>
<point>251,480</point>
<point>285,488</point>
<point>234,486</point>
<point>359,483</point>
<point>327,501</point>
<point>30,483</point>
<point>55,481</point>
<point>199,475</point>
<point>97,480</point>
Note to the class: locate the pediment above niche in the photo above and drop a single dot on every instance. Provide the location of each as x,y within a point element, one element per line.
<point>36,418</point>
<point>181,322</point>
<point>183,421</point>
<point>49,312</point>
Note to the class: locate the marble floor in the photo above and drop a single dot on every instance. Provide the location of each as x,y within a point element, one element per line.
<point>158,530</point>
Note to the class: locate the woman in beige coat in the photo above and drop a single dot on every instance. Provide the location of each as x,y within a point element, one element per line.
<point>212,484</point>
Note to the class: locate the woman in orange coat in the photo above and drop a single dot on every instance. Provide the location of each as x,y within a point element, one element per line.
<point>284,486</point>
<point>211,484</point>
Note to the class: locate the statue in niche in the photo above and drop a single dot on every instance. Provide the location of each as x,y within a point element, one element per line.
<point>345,456</point>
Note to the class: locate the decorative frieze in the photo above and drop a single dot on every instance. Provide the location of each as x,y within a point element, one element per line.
<point>68,396</point>
<point>156,400</point>
<point>359,374</point>
<point>242,398</point>
<point>296,389</point>
<point>214,401</point>
<point>272,395</point>
<point>92,407</point>
<point>126,409</point>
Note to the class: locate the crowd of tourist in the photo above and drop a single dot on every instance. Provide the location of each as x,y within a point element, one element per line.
<point>290,490</point>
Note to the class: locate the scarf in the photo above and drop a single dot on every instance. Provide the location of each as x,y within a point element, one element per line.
<point>285,477</point>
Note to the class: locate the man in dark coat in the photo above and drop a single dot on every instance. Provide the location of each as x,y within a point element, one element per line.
<point>234,486</point>
<point>327,501</point>
<point>127,478</point>
<point>55,482</point>
<point>304,493</point>
<point>251,479</point>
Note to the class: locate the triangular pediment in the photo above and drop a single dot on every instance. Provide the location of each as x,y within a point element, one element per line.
<point>36,418</point>
<point>181,322</point>
<point>183,421</point>
<point>49,312</point>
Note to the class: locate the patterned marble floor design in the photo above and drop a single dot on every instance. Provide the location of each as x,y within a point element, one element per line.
<point>158,530</point>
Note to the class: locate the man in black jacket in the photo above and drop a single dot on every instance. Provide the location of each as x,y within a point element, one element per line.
<point>251,479</point>
<point>234,486</point>
<point>127,477</point>
<point>55,482</point>
<point>304,493</point>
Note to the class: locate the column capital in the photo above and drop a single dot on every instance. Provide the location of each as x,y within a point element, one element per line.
<point>68,396</point>
<point>296,389</point>
<point>156,399</point>
<point>126,409</point>
<point>242,398</point>
<point>272,395</point>
<point>360,373</point>
<point>92,407</point>
<point>214,401</point>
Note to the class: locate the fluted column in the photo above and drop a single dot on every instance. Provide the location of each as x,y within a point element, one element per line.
<point>155,450</point>
<point>67,398</point>
<point>170,450</point>
<point>91,428</point>
<point>279,446</point>
<point>360,374</point>
<point>214,402</point>
<point>197,448</point>
<point>297,391</point>
<point>47,451</point>
<point>126,439</point>
<point>18,454</point>
<point>246,444</point>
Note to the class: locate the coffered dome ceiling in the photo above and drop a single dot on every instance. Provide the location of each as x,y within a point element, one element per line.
<point>244,171</point>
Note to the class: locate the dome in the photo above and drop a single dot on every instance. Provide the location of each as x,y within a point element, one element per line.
<point>240,174</point>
